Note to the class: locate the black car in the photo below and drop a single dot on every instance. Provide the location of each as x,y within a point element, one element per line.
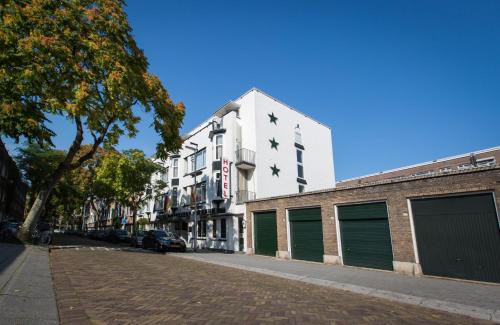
<point>162,241</point>
<point>136,239</point>
<point>118,235</point>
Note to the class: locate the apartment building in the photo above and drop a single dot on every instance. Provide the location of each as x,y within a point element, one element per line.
<point>12,188</point>
<point>476,159</point>
<point>252,147</point>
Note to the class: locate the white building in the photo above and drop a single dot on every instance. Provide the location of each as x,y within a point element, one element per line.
<point>269,149</point>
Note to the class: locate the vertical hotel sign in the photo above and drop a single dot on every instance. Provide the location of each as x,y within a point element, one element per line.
<point>225,178</point>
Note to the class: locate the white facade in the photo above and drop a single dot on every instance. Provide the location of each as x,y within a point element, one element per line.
<point>272,150</point>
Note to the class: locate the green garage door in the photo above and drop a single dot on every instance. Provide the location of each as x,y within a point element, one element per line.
<point>366,238</point>
<point>458,237</point>
<point>266,238</point>
<point>306,234</point>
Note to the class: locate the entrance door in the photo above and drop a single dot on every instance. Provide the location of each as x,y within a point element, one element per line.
<point>458,237</point>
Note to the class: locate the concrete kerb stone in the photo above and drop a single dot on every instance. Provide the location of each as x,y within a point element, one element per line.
<point>475,312</point>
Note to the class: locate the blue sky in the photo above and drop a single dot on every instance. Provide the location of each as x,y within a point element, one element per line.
<point>399,82</point>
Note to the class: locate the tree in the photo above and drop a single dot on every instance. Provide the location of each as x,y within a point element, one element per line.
<point>66,198</point>
<point>129,176</point>
<point>77,59</point>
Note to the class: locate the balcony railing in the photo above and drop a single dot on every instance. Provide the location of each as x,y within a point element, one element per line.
<point>244,195</point>
<point>245,158</point>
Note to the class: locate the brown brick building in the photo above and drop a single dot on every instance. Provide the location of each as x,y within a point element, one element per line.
<point>481,158</point>
<point>443,224</point>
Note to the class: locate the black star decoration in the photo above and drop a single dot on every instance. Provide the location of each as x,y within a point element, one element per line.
<point>275,170</point>
<point>273,119</point>
<point>274,144</point>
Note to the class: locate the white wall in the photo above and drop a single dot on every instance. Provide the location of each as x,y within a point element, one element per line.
<point>317,155</point>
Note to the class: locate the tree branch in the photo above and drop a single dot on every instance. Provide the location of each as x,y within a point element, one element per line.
<point>97,143</point>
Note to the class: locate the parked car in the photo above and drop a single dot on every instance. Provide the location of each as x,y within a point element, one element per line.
<point>8,229</point>
<point>162,241</point>
<point>118,235</point>
<point>136,239</point>
<point>102,234</point>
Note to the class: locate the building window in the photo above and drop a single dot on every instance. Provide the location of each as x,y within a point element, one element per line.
<point>299,156</point>
<point>174,196</point>
<point>423,173</point>
<point>218,184</point>
<point>214,228</point>
<point>223,228</point>
<point>218,147</point>
<point>186,165</point>
<point>300,170</point>
<point>201,192</point>
<point>202,228</point>
<point>486,162</point>
<point>301,188</point>
<point>300,163</point>
<point>164,176</point>
<point>200,159</point>
<point>175,168</point>
<point>464,166</point>
<point>298,135</point>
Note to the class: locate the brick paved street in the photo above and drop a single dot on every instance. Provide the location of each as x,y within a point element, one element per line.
<point>117,287</point>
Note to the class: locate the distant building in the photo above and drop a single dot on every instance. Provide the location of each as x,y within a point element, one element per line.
<point>476,159</point>
<point>252,147</point>
<point>12,188</point>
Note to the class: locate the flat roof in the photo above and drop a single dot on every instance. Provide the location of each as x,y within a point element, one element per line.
<point>421,164</point>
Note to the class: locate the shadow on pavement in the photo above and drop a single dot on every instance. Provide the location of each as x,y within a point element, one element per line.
<point>9,252</point>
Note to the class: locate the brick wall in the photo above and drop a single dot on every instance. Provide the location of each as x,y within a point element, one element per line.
<point>432,167</point>
<point>395,193</point>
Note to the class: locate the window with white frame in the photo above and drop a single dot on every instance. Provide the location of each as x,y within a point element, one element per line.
<point>298,135</point>
<point>464,166</point>
<point>200,159</point>
<point>486,162</point>
<point>175,168</point>
<point>164,175</point>
<point>218,147</point>
<point>201,192</point>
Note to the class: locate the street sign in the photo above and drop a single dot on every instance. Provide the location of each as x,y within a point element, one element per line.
<point>225,178</point>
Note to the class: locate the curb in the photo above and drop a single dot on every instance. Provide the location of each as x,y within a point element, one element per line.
<point>451,307</point>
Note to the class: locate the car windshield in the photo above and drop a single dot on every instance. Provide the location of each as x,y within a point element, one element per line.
<point>161,233</point>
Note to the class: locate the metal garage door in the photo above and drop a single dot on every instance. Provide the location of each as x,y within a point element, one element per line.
<point>458,237</point>
<point>266,238</point>
<point>365,235</point>
<point>306,234</point>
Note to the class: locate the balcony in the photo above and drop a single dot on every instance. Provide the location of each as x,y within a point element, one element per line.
<point>243,195</point>
<point>245,159</point>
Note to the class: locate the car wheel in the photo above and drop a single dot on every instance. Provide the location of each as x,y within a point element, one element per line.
<point>183,249</point>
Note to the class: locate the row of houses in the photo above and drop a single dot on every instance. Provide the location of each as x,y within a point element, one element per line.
<point>258,177</point>
<point>12,188</point>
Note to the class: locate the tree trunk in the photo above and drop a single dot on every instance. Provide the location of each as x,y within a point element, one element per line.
<point>134,216</point>
<point>38,206</point>
<point>47,187</point>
